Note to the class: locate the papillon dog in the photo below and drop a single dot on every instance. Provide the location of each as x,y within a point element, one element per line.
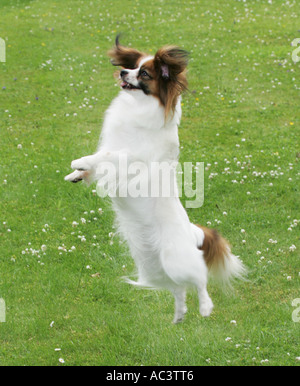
<point>141,124</point>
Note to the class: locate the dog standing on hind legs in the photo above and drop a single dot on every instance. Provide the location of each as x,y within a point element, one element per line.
<point>141,124</point>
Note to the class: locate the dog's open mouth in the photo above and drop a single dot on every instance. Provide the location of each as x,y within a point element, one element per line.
<point>127,86</point>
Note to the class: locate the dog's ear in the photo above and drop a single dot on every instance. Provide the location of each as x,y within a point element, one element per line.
<point>170,63</point>
<point>124,56</point>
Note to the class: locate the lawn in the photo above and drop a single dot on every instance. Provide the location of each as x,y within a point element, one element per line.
<point>61,263</point>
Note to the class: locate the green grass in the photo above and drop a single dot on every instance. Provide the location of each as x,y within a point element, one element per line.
<point>241,117</point>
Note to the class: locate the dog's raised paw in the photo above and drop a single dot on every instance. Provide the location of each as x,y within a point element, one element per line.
<point>74,177</point>
<point>80,164</point>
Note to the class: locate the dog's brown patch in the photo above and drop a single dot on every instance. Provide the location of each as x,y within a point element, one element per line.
<point>124,56</point>
<point>170,63</point>
<point>215,247</point>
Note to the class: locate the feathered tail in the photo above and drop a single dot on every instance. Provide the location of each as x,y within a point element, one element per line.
<point>221,263</point>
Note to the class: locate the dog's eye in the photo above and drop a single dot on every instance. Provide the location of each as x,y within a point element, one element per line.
<point>145,74</point>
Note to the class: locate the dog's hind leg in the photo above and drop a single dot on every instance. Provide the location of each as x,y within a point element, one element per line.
<point>180,306</point>
<point>187,268</point>
<point>205,302</point>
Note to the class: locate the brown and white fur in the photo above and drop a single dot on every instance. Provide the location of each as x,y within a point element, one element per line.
<point>141,124</point>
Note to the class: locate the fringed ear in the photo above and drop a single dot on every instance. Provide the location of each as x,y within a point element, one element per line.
<point>170,63</point>
<point>123,56</point>
<point>165,71</point>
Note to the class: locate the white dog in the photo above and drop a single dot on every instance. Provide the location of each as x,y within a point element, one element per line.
<point>141,124</point>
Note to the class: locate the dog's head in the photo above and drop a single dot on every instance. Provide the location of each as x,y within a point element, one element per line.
<point>162,75</point>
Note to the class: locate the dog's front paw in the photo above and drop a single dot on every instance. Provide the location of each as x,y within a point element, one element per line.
<point>80,164</point>
<point>74,177</point>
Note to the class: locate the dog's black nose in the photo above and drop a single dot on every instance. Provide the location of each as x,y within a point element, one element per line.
<point>123,73</point>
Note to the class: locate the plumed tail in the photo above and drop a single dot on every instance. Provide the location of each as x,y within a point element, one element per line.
<point>221,263</point>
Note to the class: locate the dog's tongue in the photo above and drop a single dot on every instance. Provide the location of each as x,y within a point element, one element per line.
<point>123,84</point>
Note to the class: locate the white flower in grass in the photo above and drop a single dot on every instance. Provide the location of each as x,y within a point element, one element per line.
<point>264,361</point>
<point>271,241</point>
